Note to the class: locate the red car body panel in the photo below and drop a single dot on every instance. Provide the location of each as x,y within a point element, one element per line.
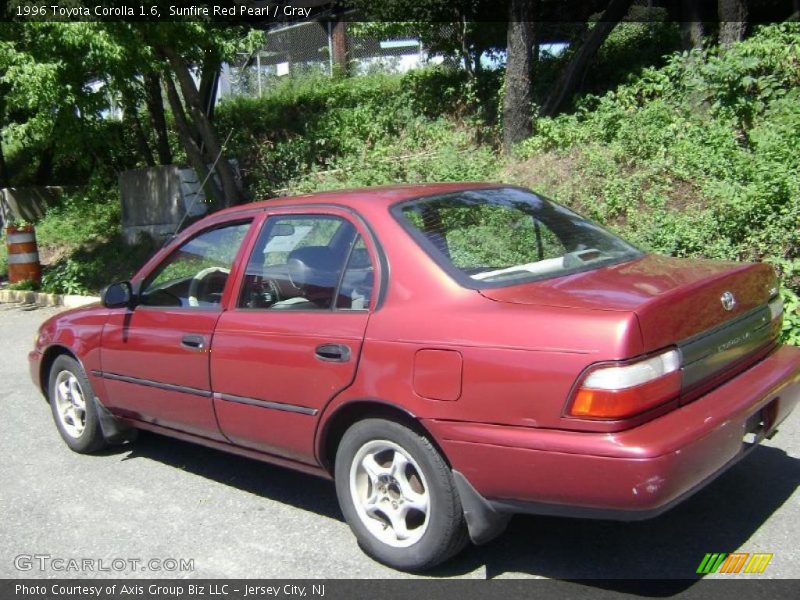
<point>487,373</point>
<point>661,290</point>
<point>639,469</point>
<point>244,346</point>
<point>145,344</point>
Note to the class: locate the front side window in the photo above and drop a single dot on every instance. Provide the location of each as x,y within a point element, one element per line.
<point>505,236</point>
<point>195,274</point>
<point>303,262</point>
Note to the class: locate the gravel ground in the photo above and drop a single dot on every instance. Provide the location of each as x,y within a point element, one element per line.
<point>238,518</point>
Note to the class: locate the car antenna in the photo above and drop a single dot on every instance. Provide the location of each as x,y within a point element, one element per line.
<point>191,204</point>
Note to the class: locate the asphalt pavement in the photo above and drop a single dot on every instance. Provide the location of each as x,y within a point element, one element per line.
<point>141,509</point>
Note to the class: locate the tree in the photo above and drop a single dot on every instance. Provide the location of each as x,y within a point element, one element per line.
<point>181,50</point>
<point>59,80</point>
<point>572,74</point>
<point>692,28</point>
<point>52,76</point>
<point>155,111</point>
<point>732,21</point>
<point>517,108</point>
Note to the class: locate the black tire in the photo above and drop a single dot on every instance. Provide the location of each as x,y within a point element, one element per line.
<point>445,533</point>
<point>90,439</point>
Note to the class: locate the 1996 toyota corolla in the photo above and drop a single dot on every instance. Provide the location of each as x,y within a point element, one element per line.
<point>449,354</point>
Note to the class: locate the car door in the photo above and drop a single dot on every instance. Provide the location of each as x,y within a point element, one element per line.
<point>293,335</point>
<point>155,357</point>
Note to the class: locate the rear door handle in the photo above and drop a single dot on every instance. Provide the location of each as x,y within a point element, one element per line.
<point>193,342</point>
<point>333,352</point>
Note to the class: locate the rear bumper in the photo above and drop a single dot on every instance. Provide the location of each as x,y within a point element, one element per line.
<point>627,475</point>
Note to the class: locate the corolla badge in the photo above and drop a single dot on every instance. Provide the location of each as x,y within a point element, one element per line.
<point>728,301</point>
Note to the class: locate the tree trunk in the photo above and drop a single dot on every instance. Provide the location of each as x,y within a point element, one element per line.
<point>130,116</point>
<point>155,109</point>
<point>208,86</point>
<point>795,16</point>
<point>463,47</point>
<point>44,172</point>
<point>339,46</point>
<point>141,140</point>
<point>573,73</point>
<point>692,28</point>
<point>517,112</point>
<point>203,126</point>
<point>4,179</point>
<point>193,152</point>
<point>732,21</point>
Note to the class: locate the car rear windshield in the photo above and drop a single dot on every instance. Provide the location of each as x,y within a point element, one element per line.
<point>504,236</point>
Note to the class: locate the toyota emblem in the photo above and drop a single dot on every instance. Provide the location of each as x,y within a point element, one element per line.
<point>728,301</point>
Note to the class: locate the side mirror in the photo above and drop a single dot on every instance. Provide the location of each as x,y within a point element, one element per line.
<point>117,295</point>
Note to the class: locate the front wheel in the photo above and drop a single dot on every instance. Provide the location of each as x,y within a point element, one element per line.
<point>72,402</point>
<point>397,495</point>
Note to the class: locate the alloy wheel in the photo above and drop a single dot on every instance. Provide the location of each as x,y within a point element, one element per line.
<point>390,493</point>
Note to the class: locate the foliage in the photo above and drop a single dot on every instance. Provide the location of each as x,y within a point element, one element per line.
<point>82,238</point>
<point>317,133</point>
<point>66,277</point>
<point>27,285</point>
<point>82,216</point>
<point>630,48</point>
<point>51,114</point>
<point>697,158</point>
<point>60,84</point>
<point>3,260</point>
<point>90,267</point>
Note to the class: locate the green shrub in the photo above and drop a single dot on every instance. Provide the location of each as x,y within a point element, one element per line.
<point>316,132</point>
<point>92,266</point>
<point>87,215</point>
<point>27,285</point>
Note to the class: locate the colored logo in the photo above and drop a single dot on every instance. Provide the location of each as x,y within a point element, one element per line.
<point>736,562</point>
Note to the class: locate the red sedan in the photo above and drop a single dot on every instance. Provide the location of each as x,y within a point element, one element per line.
<point>449,354</point>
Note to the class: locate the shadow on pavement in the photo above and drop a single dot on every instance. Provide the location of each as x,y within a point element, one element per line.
<point>302,491</point>
<point>608,555</point>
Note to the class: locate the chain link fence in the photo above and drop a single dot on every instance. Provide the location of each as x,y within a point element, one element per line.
<point>308,47</point>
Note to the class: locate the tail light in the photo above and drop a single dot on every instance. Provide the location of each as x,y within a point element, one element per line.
<point>618,391</point>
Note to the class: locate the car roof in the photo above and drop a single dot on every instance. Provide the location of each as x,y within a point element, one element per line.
<point>380,195</point>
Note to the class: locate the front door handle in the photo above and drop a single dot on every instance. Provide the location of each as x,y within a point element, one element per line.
<point>193,342</point>
<point>333,352</point>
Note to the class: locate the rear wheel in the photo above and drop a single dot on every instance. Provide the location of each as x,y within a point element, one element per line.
<point>397,495</point>
<point>72,402</point>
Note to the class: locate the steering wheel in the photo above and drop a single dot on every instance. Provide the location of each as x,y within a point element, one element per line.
<point>197,280</point>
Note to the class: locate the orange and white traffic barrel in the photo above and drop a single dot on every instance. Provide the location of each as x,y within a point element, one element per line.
<point>23,254</point>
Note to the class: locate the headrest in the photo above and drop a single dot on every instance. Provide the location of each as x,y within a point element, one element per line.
<point>313,266</point>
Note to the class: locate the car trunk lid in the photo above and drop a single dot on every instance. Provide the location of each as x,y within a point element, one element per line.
<point>674,299</point>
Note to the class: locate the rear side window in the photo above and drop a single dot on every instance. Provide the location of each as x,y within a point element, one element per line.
<point>358,280</point>
<point>505,236</point>
<point>308,262</point>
